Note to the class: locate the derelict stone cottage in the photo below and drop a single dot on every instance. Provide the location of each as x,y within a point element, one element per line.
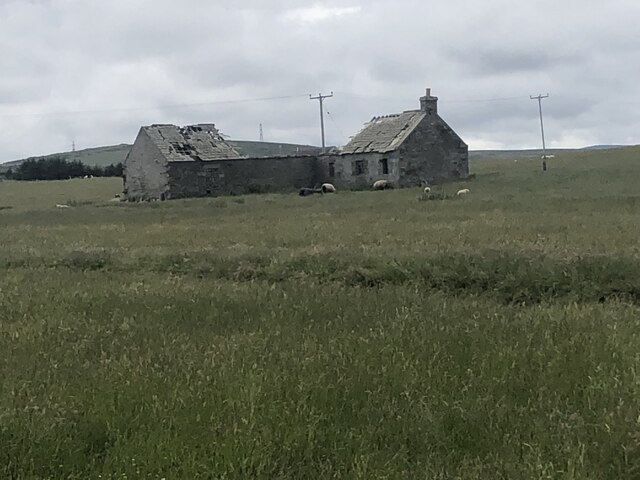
<point>155,166</point>
<point>167,162</point>
<point>407,149</point>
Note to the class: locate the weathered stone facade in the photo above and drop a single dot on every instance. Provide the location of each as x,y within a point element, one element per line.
<point>145,170</point>
<point>240,176</point>
<point>407,149</point>
<point>359,171</point>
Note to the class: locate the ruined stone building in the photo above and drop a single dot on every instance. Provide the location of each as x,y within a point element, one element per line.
<point>161,162</point>
<point>407,149</point>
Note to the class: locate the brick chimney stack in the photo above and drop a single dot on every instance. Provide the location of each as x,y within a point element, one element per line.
<point>428,103</point>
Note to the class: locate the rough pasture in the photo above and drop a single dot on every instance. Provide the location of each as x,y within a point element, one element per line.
<point>360,335</point>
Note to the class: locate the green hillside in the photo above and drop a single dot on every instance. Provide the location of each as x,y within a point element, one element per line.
<point>534,153</point>
<point>113,154</point>
<point>103,156</point>
<point>98,156</point>
<point>512,154</point>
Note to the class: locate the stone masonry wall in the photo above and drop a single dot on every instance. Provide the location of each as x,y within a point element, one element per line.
<point>433,153</point>
<point>359,170</point>
<point>240,176</point>
<point>145,171</point>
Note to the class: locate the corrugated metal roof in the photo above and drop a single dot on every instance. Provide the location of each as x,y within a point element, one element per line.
<point>191,143</point>
<point>384,134</point>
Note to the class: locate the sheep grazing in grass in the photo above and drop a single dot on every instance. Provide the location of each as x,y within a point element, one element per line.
<point>328,188</point>
<point>61,206</point>
<point>305,192</point>
<point>462,192</point>
<point>382,185</point>
<point>427,190</point>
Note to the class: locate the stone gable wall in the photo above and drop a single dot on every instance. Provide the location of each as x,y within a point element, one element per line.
<point>145,171</point>
<point>433,153</point>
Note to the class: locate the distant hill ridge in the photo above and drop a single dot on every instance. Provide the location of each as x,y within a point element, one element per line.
<point>97,156</point>
<point>113,154</point>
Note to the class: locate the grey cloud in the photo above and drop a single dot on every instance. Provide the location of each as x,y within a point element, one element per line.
<point>500,61</point>
<point>129,60</point>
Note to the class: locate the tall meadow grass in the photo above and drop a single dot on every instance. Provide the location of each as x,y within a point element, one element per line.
<point>357,335</point>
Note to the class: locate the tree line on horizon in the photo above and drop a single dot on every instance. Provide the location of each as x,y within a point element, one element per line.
<point>59,168</point>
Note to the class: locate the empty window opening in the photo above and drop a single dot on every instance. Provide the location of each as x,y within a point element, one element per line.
<point>360,167</point>
<point>332,169</point>
<point>384,166</point>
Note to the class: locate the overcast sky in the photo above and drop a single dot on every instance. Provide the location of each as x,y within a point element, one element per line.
<point>94,71</point>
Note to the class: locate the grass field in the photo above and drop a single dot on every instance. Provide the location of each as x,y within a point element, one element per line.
<point>362,335</point>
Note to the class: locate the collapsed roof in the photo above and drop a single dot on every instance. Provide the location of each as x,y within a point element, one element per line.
<point>202,142</point>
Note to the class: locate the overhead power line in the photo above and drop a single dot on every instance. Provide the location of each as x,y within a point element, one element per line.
<point>336,124</point>
<point>471,100</point>
<point>156,107</point>
<point>482,100</point>
<point>230,102</point>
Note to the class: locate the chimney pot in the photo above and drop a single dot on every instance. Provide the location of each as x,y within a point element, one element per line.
<point>428,103</point>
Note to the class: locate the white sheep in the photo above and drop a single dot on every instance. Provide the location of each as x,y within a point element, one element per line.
<point>61,206</point>
<point>427,190</point>
<point>328,188</point>
<point>462,192</point>
<point>381,185</point>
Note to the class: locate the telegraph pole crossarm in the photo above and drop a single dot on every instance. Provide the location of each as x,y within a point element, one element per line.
<point>321,98</point>
<point>544,148</point>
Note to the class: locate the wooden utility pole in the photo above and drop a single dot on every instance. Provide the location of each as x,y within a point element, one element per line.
<point>544,148</point>
<point>321,98</point>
